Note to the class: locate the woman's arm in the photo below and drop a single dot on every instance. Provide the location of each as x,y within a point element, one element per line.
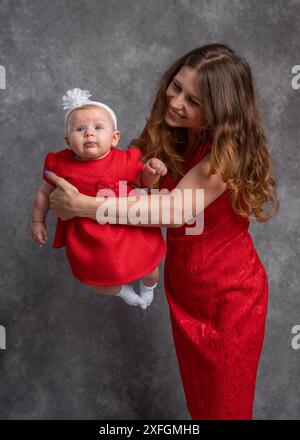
<point>67,202</point>
<point>161,210</point>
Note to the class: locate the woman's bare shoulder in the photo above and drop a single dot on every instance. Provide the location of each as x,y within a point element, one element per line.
<point>203,166</point>
<point>200,176</point>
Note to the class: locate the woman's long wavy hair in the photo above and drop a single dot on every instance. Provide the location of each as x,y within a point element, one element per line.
<point>239,152</point>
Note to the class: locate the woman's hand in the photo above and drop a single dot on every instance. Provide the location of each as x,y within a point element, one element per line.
<point>64,200</point>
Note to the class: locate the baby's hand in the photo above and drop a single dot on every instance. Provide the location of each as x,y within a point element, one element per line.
<point>39,232</point>
<point>155,167</point>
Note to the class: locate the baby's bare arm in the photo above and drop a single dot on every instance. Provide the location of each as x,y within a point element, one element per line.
<point>41,203</point>
<point>150,175</point>
<point>40,209</point>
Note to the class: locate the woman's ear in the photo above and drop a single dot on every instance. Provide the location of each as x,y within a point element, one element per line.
<point>67,142</point>
<point>116,138</point>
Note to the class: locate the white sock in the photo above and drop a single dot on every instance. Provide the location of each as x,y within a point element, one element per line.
<point>146,293</point>
<point>130,297</point>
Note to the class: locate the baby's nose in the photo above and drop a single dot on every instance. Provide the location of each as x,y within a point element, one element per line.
<point>89,131</point>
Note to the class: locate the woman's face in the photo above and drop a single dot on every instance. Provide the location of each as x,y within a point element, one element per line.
<point>185,108</point>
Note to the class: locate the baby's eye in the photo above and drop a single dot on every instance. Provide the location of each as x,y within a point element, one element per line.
<point>98,127</point>
<point>79,128</point>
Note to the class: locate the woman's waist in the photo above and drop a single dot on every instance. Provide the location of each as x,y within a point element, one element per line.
<point>215,231</point>
<point>237,250</point>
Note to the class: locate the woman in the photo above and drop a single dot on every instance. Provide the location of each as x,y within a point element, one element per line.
<point>205,126</point>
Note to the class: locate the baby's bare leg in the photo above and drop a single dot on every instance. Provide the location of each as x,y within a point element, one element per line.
<point>105,290</point>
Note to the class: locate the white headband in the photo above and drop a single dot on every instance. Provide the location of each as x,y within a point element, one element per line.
<point>76,98</point>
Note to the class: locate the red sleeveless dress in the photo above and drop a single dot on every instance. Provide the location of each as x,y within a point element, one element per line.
<point>217,291</point>
<point>104,254</point>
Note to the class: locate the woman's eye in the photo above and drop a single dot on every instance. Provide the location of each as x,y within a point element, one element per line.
<point>193,102</point>
<point>176,86</point>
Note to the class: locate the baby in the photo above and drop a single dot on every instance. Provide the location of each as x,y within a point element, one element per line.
<point>107,257</point>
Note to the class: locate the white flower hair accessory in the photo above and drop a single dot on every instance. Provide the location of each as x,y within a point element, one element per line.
<point>75,98</point>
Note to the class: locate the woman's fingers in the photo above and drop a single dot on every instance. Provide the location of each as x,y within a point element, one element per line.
<point>60,182</point>
<point>61,202</point>
<point>62,198</point>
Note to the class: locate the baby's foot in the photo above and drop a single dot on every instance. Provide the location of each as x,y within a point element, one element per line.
<point>146,293</point>
<point>130,297</point>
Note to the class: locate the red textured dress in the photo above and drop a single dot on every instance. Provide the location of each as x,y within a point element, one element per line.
<point>104,254</point>
<point>217,291</point>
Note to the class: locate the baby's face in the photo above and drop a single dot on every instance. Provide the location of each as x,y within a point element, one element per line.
<point>91,133</point>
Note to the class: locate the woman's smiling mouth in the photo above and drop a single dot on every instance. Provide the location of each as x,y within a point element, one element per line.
<point>174,114</point>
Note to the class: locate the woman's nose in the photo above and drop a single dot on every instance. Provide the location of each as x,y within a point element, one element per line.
<point>177,102</point>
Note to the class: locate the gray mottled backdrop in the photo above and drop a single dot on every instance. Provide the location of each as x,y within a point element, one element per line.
<point>69,353</point>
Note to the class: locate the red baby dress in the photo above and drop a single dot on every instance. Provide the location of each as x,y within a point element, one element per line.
<point>217,291</point>
<point>104,254</point>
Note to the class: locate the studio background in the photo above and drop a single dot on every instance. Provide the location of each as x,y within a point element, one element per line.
<point>69,353</point>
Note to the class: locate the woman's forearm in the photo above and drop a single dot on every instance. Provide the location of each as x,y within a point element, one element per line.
<point>87,206</point>
<point>158,210</point>
<point>143,211</point>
